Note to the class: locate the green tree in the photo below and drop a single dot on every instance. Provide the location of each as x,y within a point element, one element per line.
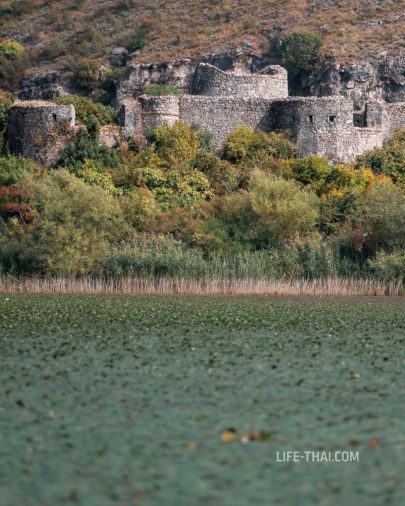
<point>14,169</point>
<point>75,225</point>
<point>87,73</point>
<point>312,170</point>
<point>300,50</point>
<point>389,266</point>
<point>378,220</point>
<point>244,144</point>
<point>175,144</point>
<point>299,53</point>
<point>270,212</point>
<point>167,167</point>
<point>139,39</point>
<point>15,201</point>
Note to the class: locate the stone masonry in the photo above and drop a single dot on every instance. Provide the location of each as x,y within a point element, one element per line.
<point>270,83</point>
<point>39,130</point>
<point>221,101</point>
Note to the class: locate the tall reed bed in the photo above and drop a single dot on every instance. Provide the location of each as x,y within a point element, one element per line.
<point>329,286</point>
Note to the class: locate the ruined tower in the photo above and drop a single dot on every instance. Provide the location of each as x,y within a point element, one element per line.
<point>39,130</point>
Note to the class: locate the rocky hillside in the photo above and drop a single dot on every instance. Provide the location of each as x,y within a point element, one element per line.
<point>58,31</point>
<point>160,41</point>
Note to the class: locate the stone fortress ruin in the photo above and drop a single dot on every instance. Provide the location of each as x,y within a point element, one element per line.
<point>221,101</point>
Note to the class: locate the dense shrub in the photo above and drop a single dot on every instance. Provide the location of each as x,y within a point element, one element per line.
<point>6,99</point>
<point>389,266</point>
<point>167,168</point>
<point>75,224</point>
<point>173,188</point>
<point>176,144</point>
<point>11,50</point>
<point>378,220</point>
<point>283,211</point>
<point>388,160</point>
<point>95,173</point>
<point>15,201</point>
<point>139,207</point>
<point>244,143</point>
<point>312,170</point>
<point>218,217</point>
<point>86,146</point>
<point>338,186</point>
<point>299,51</point>
<point>87,73</point>
<point>86,108</point>
<point>13,63</point>
<point>222,175</point>
<point>14,169</point>
<point>250,149</point>
<point>139,38</point>
<point>271,211</point>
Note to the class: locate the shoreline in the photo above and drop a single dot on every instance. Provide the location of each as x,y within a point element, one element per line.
<point>327,287</point>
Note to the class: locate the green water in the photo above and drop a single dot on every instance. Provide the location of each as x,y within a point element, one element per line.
<point>101,396</point>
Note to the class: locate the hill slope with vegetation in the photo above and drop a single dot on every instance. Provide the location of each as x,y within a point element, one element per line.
<point>174,208</point>
<point>63,31</point>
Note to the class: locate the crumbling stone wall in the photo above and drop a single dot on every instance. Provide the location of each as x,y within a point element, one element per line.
<point>321,126</point>
<point>180,72</point>
<point>221,115</point>
<point>129,117</point>
<point>394,119</point>
<point>326,126</point>
<point>39,130</point>
<point>365,139</point>
<point>374,114</point>
<point>271,83</point>
<point>318,125</point>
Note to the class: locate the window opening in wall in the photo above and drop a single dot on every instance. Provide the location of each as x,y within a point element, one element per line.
<point>311,119</point>
<point>332,118</point>
<point>54,117</point>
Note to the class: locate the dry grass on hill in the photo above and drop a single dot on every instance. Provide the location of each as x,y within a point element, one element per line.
<point>66,30</point>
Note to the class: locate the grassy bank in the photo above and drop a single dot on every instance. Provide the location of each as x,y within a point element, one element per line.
<point>330,286</point>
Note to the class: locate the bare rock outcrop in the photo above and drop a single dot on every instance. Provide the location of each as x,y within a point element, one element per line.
<point>180,72</point>
<point>382,79</point>
<point>44,84</point>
